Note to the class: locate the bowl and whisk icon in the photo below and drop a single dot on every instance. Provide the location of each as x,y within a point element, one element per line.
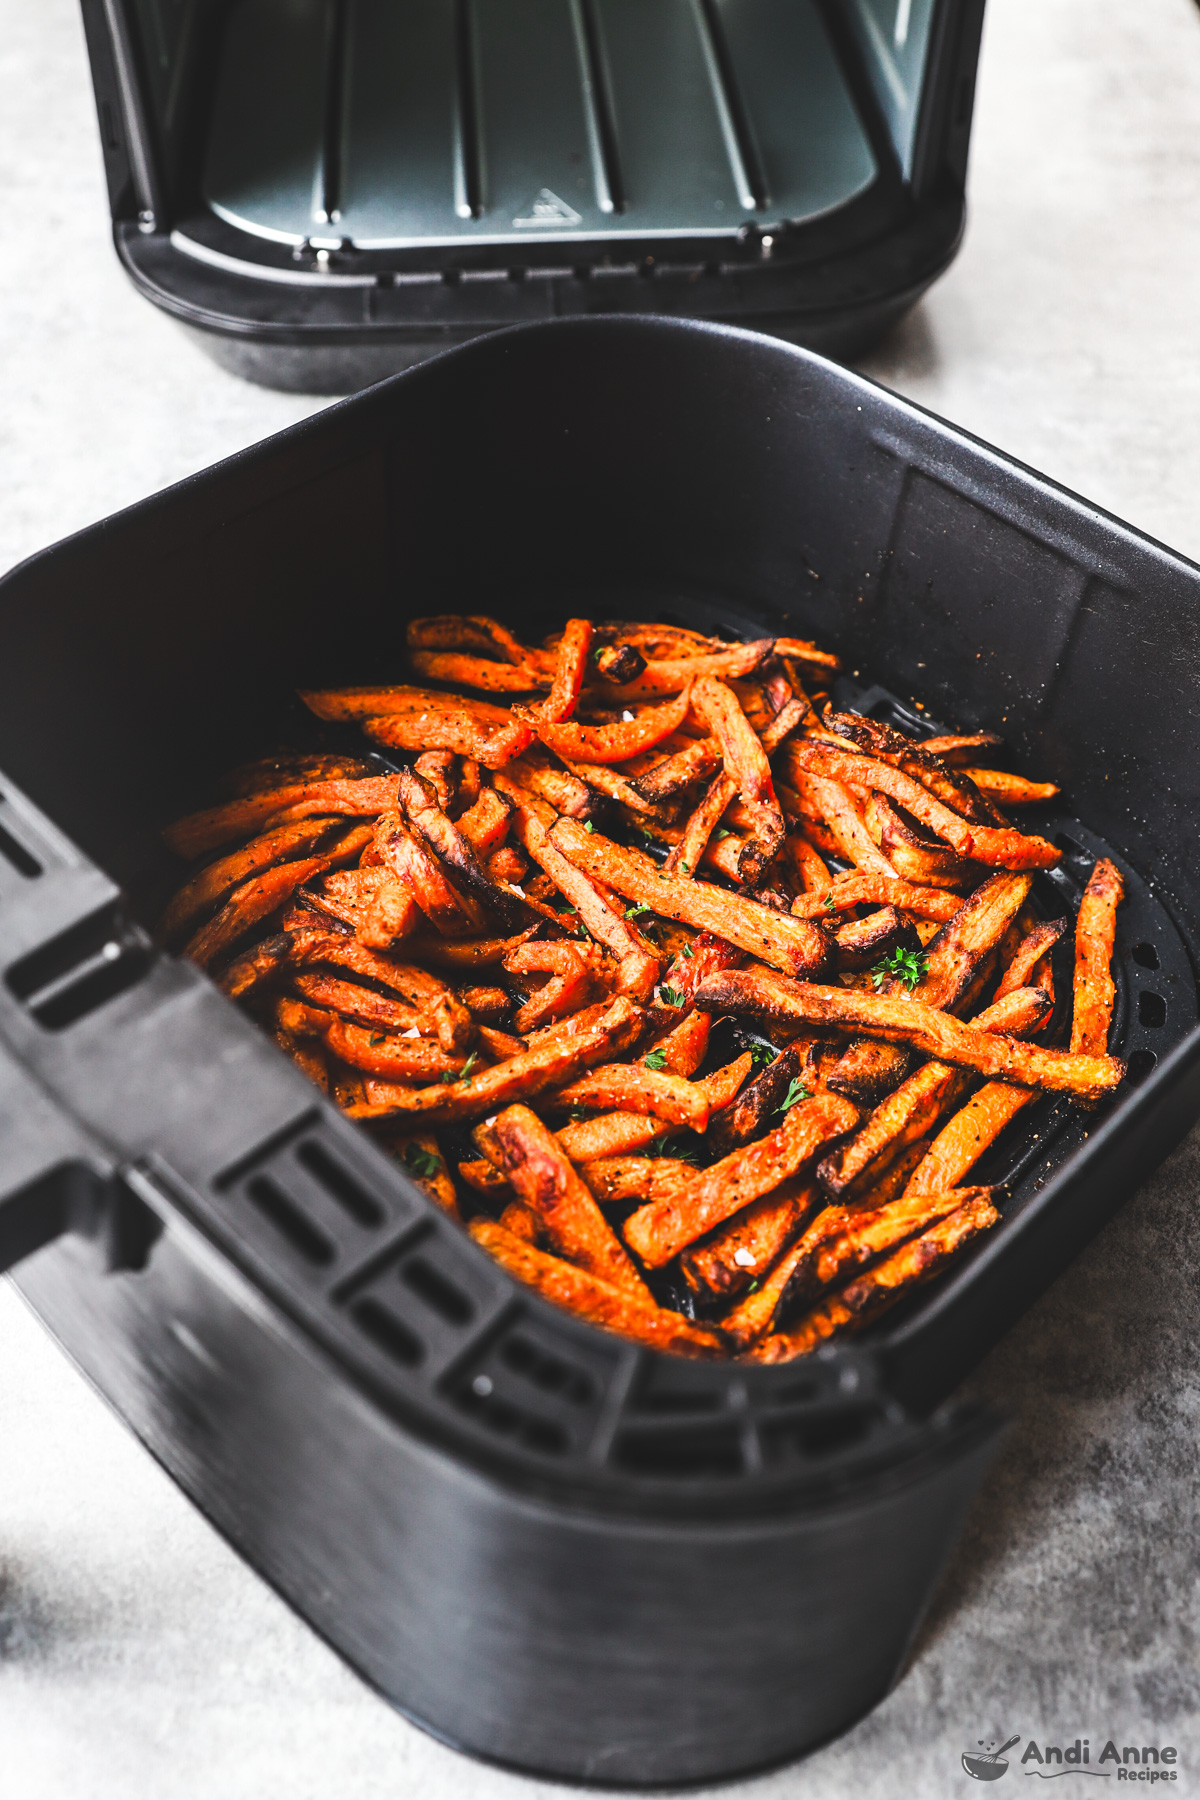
<point>988,1765</point>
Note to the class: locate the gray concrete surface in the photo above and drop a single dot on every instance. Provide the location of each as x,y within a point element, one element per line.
<point>138,1657</point>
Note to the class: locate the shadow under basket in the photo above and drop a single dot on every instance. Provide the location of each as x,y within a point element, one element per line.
<point>327,191</point>
<point>546,1546</point>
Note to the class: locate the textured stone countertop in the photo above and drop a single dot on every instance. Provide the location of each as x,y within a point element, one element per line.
<point>138,1657</point>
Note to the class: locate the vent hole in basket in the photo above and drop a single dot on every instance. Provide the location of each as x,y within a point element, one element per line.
<point>549,1373</point>
<point>385,1330</point>
<point>1140,1065</point>
<point>339,1184</point>
<point>816,1437</point>
<point>1145,955</point>
<point>289,1221</point>
<point>675,1456</point>
<point>17,856</point>
<point>507,1420</point>
<point>440,1295</point>
<point>1152,1010</point>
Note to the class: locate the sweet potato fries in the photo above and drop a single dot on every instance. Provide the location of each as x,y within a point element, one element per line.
<point>693,998</point>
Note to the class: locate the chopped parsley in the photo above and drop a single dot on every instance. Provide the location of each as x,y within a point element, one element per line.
<point>722,831</point>
<point>420,1162</point>
<point>671,996</point>
<point>464,1073</point>
<point>687,952</point>
<point>828,901</point>
<point>796,1092</point>
<point>635,911</point>
<point>588,826</point>
<point>908,966</point>
<point>657,1059</point>
<point>378,1037</point>
<point>764,1055</point>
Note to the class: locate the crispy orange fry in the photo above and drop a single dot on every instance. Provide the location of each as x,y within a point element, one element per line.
<point>621,1133</point>
<point>959,748</point>
<point>477,672</point>
<point>614,743</point>
<point>469,953</point>
<point>215,883</point>
<point>1010,790</point>
<point>684,768</point>
<point>868,1071</point>
<point>672,675</point>
<point>361,1005</point>
<point>687,855</point>
<point>869,1296</point>
<point>739,1253</point>
<point>1026,960</point>
<point>807,866</point>
<point>521,1078</point>
<point>960,958</point>
<point>916,855</point>
<point>759,1100</point>
<point>390,916</point>
<point>658,1232</point>
<point>632,1087</point>
<point>276,807</point>
<point>566,990</point>
<point>829,805</point>
<point>957,791</point>
<point>635,1177</point>
<point>485,824</point>
<point>898,1019</point>
<point>526,1153</point>
<point>569,670</point>
<point>964,1138</point>
<point>428,823</point>
<point>1095,933</point>
<point>256,899</point>
<point>1004,848</point>
<point>859,887</point>
<point>851,1243</point>
<point>681,1049</point>
<point>452,912</point>
<point>468,631</point>
<point>589,1298</point>
<point>777,938</point>
<point>748,771</point>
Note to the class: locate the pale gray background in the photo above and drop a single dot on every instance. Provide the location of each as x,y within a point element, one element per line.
<point>138,1657</point>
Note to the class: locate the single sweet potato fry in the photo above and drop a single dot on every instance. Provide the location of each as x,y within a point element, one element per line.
<point>261,896</point>
<point>868,1071</point>
<point>865,1236</point>
<point>485,824</point>
<point>540,1175</point>
<point>859,887</point>
<point>808,870</point>
<point>687,855</point>
<point>1028,956</point>
<point>565,992</point>
<point>589,1298</point>
<point>570,668</point>
<point>361,1005</point>
<point>748,771</point>
<point>390,915</point>
<point>1011,790</point>
<point>759,1100</point>
<point>638,962</point>
<point>479,672</point>
<point>205,891</point>
<point>622,1133</point>
<point>906,1115</point>
<point>521,1078</point>
<point>861,942</point>
<point>254,968</point>
<point>682,1048</point>
<point>828,804</point>
<point>614,743</point>
<point>467,954</point>
<point>777,938</point>
<point>671,675</point>
<point>391,1058</point>
<point>964,1138</point>
<point>764,994</point>
<point>960,958</point>
<point>1000,847</point>
<point>470,631</point>
<point>683,769</point>
<point>740,1253</point>
<point>865,1299</point>
<point>658,1232</point>
<point>632,1087</point>
<point>277,807</point>
<point>635,1177</point>
<point>1095,933</point>
<point>959,748</point>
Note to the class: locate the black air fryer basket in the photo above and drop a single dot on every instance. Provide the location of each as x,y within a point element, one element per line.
<point>327,191</point>
<point>547,1546</point>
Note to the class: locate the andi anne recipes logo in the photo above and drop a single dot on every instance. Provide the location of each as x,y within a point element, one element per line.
<point>1123,1762</point>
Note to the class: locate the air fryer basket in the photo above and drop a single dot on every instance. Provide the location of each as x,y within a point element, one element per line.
<point>547,1546</point>
<point>326,191</point>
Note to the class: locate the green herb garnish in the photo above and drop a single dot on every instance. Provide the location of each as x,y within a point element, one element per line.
<point>908,966</point>
<point>671,996</point>
<point>722,831</point>
<point>794,1095</point>
<point>828,901</point>
<point>764,1055</point>
<point>588,826</point>
<point>657,1059</point>
<point>420,1162</point>
<point>378,1037</point>
<point>634,912</point>
<point>687,952</point>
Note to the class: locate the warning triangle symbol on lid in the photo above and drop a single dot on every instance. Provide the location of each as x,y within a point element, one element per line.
<point>548,210</point>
